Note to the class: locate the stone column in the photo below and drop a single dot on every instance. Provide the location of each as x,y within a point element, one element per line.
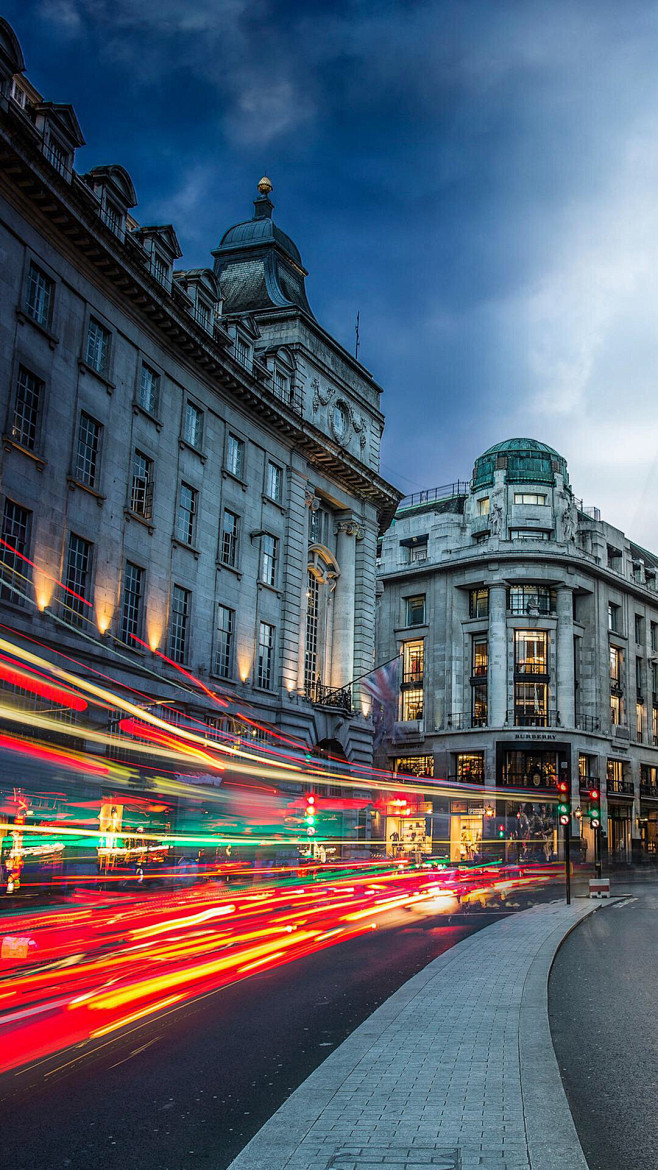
<point>342,659</point>
<point>497,674</point>
<point>565,666</point>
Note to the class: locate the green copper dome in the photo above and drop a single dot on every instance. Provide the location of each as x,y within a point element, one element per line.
<point>522,460</point>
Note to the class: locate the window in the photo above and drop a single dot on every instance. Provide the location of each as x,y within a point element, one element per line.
<point>112,217</point>
<point>57,155</point>
<point>613,616</point>
<point>526,598</point>
<point>470,767</point>
<point>654,725</point>
<point>639,721</point>
<point>530,704</point>
<point>528,534</point>
<point>268,558</point>
<point>141,488</point>
<point>639,629</point>
<point>204,316</point>
<point>179,628</point>
<point>273,482</point>
<point>479,603</point>
<point>311,672</point>
<point>483,506</point>
<point>639,680</point>
<point>614,558</point>
<point>148,394</point>
<point>530,651</point>
<point>415,765</point>
<point>235,456</point>
<point>97,353</point>
<point>14,571</point>
<point>281,384</point>
<point>412,705</point>
<point>131,603</point>
<point>529,498</point>
<point>585,768</point>
<point>415,610</point>
<point>27,402</point>
<point>479,705</point>
<point>77,579</point>
<point>654,635</point>
<point>243,352</point>
<point>160,269</point>
<point>480,656</point>
<point>86,456</point>
<point>418,550</point>
<point>186,515</point>
<point>18,94</point>
<point>193,426</point>
<point>230,538</point>
<point>654,677</point>
<point>648,776</point>
<point>615,665</point>
<point>413,663</point>
<point>265,659</point>
<point>616,710</point>
<point>321,525</point>
<point>614,775</point>
<point>40,294</point>
<point>224,655</point>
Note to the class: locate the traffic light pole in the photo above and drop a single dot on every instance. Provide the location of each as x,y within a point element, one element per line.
<point>567,860</point>
<point>597,851</point>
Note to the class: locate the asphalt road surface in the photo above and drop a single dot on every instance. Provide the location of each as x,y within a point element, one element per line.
<point>602,1008</point>
<point>186,1090</point>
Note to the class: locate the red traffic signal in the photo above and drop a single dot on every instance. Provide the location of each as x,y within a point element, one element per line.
<point>594,794</point>
<point>563,785</point>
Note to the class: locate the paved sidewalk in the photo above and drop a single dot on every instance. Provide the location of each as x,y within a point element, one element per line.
<point>456,1071</point>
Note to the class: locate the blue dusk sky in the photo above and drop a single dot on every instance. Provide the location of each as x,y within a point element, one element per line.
<point>479,178</point>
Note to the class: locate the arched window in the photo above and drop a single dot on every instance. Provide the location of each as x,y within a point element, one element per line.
<point>321,577</point>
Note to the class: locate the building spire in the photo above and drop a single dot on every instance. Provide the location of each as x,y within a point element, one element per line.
<point>263,204</point>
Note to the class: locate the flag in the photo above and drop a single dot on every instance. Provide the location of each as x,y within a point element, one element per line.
<point>383,686</point>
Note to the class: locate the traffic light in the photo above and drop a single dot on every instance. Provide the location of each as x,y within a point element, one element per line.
<point>309,815</point>
<point>594,812</point>
<point>563,804</point>
<point>501,830</point>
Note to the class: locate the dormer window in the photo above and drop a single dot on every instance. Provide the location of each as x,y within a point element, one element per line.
<point>18,94</point>
<point>57,155</point>
<point>243,351</point>
<point>113,218</point>
<point>160,269</point>
<point>204,316</point>
<point>281,384</point>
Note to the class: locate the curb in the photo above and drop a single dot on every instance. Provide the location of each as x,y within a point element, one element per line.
<point>331,1113</point>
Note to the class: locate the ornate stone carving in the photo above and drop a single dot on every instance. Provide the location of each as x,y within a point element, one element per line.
<point>320,397</point>
<point>350,528</point>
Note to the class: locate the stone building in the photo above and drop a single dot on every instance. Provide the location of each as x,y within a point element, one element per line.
<point>190,463</point>
<point>528,628</point>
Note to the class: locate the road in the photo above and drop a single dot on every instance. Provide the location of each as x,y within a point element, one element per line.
<point>602,1006</point>
<point>188,1089</point>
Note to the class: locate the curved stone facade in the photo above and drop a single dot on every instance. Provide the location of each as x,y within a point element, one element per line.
<point>536,626</point>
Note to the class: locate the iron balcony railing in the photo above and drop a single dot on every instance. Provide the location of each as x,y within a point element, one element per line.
<point>468,778</point>
<point>519,718</point>
<point>533,780</point>
<point>650,790</point>
<point>588,722</point>
<point>463,720</point>
<point>430,495</point>
<point>323,696</point>
<point>621,787</point>
<point>587,782</point>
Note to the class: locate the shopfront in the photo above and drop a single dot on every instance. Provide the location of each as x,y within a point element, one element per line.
<point>408,821</point>
<point>467,830</point>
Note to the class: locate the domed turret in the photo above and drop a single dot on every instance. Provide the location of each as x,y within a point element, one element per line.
<point>522,460</point>
<point>258,265</point>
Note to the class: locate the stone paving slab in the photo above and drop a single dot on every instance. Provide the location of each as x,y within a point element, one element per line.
<point>456,1071</point>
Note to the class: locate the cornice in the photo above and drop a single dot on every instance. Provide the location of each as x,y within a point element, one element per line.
<point>71,211</point>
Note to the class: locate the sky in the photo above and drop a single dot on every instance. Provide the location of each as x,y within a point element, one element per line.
<point>477,178</point>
